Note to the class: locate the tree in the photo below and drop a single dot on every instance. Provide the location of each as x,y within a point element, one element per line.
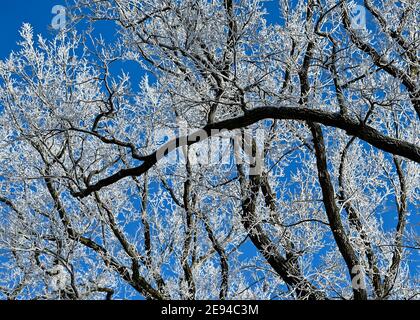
<point>258,158</point>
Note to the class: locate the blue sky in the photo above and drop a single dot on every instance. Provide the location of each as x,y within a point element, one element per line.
<point>14,13</point>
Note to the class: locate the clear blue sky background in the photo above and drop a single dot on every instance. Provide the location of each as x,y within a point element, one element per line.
<point>14,13</point>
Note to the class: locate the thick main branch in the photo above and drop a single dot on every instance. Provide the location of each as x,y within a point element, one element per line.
<point>351,126</point>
